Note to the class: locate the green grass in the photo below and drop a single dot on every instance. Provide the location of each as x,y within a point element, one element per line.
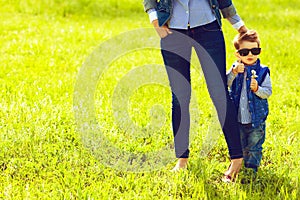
<point>43,156</point>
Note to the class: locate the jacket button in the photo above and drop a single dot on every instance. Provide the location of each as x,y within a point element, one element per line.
<point>213,6</point>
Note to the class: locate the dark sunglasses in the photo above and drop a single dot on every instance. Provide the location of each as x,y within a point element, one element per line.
<point>245,52</point>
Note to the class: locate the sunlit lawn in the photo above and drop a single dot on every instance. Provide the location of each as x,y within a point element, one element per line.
<point>43,47</point>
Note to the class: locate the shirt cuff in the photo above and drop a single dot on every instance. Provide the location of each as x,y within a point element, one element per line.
<point>236,21</point>
<point>258,92</point>
<point>152,15</point>
<point>231,75</point>
<point>238,25</point>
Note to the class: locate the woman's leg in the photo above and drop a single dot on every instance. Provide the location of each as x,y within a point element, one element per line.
<point>176,53</point>
<point>210,48</point>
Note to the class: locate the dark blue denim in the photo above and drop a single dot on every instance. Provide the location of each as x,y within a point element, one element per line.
<point>209,45</point>
<point>252,141</point>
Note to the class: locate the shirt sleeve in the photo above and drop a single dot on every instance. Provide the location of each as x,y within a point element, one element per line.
<point>265,90</point>
<point>230,77</point>
<point>236,21</point>
<point>152,14</point>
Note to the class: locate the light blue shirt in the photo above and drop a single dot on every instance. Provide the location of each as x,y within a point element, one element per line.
<point>192,12</point>
<point>244,115</point>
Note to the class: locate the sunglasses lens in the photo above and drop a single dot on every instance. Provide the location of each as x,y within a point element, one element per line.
<point>244,52</point>
<point>255,51</point>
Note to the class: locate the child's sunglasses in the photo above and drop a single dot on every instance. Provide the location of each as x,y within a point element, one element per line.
<point>245,52</point>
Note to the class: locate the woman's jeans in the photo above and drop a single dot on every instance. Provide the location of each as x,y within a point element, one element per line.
<point>252,140</point>
<point>209,45</point>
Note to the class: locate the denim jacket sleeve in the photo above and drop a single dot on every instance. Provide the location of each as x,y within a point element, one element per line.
<point>227,8</point>
<point>149,4</point>
<point>163,9</point>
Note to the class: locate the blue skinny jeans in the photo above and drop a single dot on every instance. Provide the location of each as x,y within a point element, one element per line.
<point>208,42</point>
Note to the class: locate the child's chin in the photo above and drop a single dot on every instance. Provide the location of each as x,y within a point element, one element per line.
<point>250,63</point>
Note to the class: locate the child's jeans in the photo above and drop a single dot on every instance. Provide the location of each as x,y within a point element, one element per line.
<point>252,140</point>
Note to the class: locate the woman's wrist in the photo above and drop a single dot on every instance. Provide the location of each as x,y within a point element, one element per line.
<point>242,29</point>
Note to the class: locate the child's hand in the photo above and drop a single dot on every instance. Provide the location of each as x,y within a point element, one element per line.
<point>254,85</point>
<point>239,68</point>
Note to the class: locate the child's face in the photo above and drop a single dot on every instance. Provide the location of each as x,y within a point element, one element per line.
<point>245,46</point>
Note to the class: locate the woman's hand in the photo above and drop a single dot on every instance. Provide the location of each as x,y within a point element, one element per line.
<point>243,29</point>
<point>162,31</point>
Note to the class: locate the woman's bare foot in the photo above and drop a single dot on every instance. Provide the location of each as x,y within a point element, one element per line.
<point>233,170</point>
<point>181,164</point>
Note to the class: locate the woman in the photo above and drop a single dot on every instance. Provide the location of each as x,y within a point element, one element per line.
<point>183,24</point>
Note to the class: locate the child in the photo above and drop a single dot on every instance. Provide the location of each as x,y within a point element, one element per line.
<point>250,86</point>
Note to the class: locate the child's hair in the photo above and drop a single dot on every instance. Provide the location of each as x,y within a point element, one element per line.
<point>250,35</point>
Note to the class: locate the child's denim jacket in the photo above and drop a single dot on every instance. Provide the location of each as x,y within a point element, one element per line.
<point>258,107</point>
